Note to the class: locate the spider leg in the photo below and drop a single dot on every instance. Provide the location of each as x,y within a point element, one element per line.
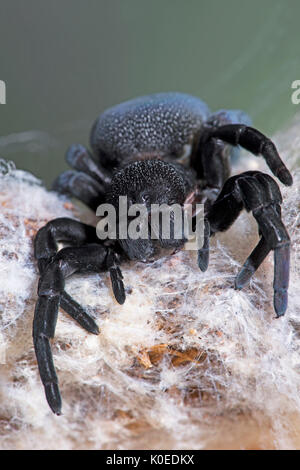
<point>274,231</point>
<point>259,193</point>
<point>61,229</point>
<point>77,233</point>
<point>212,162</point>
<point>45,249</point>
<point>203,253</point>
<point>252,263</point>
<point>72,308</point>
<point>88,258</point>
<point>281,271</point>
<point>213,157</point>
<point>81,160</point>
<point>257,143</point>
<point>81,186</point>
<point>112,264</point>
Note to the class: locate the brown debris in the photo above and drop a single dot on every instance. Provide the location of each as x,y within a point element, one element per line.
<point>154,355</point>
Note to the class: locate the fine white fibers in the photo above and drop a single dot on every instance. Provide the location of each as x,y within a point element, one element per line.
<point>186,363</point>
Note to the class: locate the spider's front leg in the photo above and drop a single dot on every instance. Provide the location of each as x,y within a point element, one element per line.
<point>45,249</point>
<point>259,193</point>
<point>84,259</point>
<point>55,267</point>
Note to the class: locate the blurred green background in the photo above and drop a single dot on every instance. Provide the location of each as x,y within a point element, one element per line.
<point>65,61</point>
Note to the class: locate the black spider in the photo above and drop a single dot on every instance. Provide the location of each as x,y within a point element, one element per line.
<point>162,148</point>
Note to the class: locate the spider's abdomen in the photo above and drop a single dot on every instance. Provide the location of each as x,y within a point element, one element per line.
<point>163,125</point>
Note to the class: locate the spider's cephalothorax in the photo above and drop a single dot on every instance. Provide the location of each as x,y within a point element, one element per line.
<point>149,183</point>
<point>165,148</point>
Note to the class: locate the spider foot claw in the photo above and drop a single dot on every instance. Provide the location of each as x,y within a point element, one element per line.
<point>88,323</point>
<point>69,305</point>
<point>53,397</point>
<point>117,285</point>
<point>203,259</point>
<point>285,176</point>
<point>203,253</point>
<point>243,277</point>
<point>280,302</point>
